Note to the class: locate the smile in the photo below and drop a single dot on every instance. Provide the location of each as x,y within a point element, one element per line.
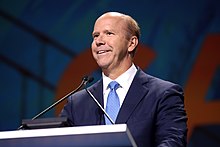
<point>103,51</point>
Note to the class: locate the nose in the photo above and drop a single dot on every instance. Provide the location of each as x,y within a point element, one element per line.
<point>100,40</point>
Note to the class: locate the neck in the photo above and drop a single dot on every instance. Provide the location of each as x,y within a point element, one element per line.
<point>115,73</point>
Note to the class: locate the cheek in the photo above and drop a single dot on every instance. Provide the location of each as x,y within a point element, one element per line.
<point>93,47</point>
<point>94,54</point>
<point>93,44</point>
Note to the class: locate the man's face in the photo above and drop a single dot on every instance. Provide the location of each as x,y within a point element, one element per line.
<point>110,45</point>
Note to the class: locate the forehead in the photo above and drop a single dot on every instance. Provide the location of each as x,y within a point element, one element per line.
<point>109,22</point>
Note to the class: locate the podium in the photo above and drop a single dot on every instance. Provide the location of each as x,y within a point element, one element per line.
<point>83,136</point>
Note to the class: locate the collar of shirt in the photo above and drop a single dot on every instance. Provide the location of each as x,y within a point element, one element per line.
<point>124,80</point>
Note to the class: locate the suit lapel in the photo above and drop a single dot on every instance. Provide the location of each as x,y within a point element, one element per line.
<point>136,93</point>
<point>96,90</point>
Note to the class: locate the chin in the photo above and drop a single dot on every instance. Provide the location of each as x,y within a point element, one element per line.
<point>103,66</point>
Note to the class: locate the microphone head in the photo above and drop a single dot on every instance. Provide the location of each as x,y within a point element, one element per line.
<point>88,79</point>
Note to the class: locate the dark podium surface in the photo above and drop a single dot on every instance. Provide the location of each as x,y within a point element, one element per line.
<point>84,136</point>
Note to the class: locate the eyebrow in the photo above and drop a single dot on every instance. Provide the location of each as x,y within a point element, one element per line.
<point>94,33</point>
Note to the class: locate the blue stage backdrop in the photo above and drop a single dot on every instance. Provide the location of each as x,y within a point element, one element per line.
<point>45,51</point>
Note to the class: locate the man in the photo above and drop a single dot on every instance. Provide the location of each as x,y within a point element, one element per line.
<point>153,109</point>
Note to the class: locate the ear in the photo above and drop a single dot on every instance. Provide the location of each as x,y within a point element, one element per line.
<point>132,43</point>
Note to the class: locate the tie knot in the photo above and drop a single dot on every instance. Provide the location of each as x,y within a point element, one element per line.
<point>113,85</point>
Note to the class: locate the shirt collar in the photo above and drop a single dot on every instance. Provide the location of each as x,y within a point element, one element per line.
<point>124,79</point>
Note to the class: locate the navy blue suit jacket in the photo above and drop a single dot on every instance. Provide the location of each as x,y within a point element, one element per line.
<point>153,110</point>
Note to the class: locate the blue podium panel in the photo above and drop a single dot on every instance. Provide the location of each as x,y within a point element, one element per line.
<point>84,136</point>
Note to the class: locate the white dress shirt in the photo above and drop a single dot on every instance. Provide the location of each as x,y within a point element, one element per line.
<point>124,81</point>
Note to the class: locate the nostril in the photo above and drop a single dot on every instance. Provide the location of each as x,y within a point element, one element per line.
<point>99,43</point>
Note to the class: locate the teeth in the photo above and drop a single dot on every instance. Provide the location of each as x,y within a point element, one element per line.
<point>101,52</point>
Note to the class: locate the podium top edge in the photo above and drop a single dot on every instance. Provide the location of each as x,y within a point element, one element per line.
<point>97,129</point>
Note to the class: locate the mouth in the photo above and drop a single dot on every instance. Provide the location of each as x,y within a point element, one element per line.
<point>102,51</point>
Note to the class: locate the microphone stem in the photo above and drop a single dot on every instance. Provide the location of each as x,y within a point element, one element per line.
<point>103,110</point>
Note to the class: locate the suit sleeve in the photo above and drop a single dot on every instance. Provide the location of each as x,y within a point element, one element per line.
<point>171,128</point>
<point>67,111</point>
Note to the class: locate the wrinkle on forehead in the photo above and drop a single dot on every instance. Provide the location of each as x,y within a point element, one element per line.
<point>117,28</point>
<point>115,15</point>
<point>117,18</point>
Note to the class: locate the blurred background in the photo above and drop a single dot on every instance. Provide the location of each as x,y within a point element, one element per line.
<point>45,52</point>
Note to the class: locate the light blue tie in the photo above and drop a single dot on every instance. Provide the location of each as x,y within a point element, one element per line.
<point>113,104</point>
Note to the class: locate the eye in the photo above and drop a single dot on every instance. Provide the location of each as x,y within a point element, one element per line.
<point>109,33</point>
<point>95,35</point>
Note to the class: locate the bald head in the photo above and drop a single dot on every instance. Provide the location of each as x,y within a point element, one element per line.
<point>131,27</point>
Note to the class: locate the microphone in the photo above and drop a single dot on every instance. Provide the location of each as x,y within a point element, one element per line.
<point>88,79</point>
<point>100,106</point>
<point>85,80</point>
